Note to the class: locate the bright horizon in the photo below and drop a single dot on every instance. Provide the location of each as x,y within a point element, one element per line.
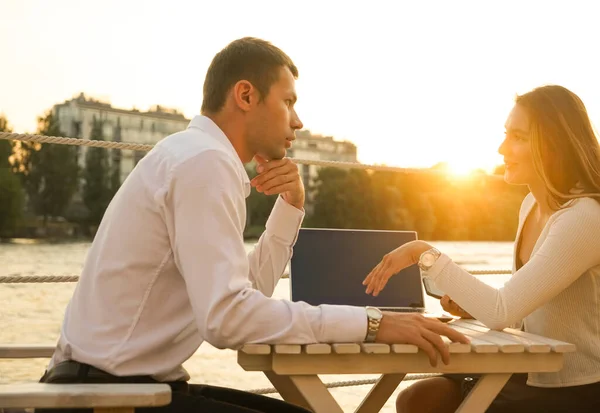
<point>411,85</point>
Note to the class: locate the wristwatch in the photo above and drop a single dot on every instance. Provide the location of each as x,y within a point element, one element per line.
<point>374,316</point>
<point>428,258</point>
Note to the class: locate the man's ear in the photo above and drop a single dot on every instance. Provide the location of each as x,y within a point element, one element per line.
<point>244,94</point>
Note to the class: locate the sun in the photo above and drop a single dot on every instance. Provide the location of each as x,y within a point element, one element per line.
<point>461,169</point>
<point>465,165</point>
<point>468,168</point>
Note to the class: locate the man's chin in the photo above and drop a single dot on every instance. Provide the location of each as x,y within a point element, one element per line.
<point>273,156</point>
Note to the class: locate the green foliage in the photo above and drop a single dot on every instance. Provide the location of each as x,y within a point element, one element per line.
<point>97,187</point>
<point>259,207</point>
<point>348,199</point>
<point>11,192</point>
<point>6,146</point>
<point>49,172</point>
<point>11,202</point>
<point>436,206</point>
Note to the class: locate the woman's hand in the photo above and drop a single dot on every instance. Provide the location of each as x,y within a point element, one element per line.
<point>393,262</point>
<point>451,307</point>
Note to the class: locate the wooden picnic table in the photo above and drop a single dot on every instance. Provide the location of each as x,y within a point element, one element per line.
<point>496,355</point>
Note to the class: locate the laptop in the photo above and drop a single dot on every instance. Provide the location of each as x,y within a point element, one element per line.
<point>328,266</point>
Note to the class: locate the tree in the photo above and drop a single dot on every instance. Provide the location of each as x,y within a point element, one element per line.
<point>11,201</point>
<point>437,206</point>
<point>345,199</point>
<point>5,146</point>
<point>115,174</point>
<point>97,191</point>
<point>259,208</point>
<point>389,201</point>
<point>49,172</point>
<point>328,199</point>
<point>11,192</point>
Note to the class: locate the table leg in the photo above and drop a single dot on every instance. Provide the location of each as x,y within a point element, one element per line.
<point>380,393</point>
<point>316,394</point>
<point>287,389</point>
<point>305,391</point>
<point>483,393</point>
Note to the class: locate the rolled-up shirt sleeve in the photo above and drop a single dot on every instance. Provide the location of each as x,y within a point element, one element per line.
<point>273,250</point>
<point>207,204</point>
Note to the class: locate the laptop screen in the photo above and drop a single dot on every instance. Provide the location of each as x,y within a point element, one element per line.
<point>329,265</point>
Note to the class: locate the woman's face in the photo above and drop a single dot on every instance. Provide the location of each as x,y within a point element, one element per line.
<point>516,149</point>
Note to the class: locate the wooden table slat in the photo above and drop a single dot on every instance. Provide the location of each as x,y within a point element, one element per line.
<point>262,349</point>
<point>346,348</point>
<point>478,344</point>
<point>456,348</point>
<point>321,348</point>
<point>531,346</point>
<point>556,345</point>
<point>287,349</point>
<point>404,348</point>
<point>504,345</point>
<point>375,348</point>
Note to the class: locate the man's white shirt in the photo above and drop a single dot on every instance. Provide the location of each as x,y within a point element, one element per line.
<point>168,269</point>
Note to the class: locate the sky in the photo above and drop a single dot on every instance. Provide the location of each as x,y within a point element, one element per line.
<point>410,83</point>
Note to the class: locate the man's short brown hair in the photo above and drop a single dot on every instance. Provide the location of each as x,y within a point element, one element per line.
<point>249,58</point>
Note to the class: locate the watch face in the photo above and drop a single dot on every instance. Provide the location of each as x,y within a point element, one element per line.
<point>428,259</point>
<point>374,313</point>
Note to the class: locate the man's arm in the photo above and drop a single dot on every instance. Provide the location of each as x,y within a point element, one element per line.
<point>207,239</point>
<point>206,201</point>
<point>274,248</point>
<point>273,251</point>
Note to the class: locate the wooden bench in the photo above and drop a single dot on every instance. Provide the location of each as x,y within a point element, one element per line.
<point>103,398</point>
<point>25,351</point>
<point>294,369</point>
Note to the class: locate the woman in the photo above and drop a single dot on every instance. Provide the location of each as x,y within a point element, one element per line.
<point>550,146</point>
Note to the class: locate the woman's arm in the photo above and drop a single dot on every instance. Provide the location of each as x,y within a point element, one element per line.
<point>571,247</point>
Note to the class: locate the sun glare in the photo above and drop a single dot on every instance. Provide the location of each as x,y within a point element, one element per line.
<point>459,169</point>
<point>464,169</point>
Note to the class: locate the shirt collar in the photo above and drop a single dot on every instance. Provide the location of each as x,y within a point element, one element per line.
<point>207,125</point>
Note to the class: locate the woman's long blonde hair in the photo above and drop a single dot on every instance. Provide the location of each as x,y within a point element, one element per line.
<point>566,152</point>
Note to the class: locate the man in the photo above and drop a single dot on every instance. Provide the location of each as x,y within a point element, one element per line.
<point>167,269</point>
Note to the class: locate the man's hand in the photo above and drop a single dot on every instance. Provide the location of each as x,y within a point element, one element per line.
<point>280,177</point>
<point>399,328</point>
<point>451,307</point>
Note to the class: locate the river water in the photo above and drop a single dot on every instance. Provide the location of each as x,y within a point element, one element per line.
<point>32,313</point>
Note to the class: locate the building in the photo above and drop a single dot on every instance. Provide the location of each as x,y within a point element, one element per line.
<point>76,117</point>
<point>320,148</point>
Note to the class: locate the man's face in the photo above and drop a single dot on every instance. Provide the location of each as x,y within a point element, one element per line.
<point>272,125</point>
